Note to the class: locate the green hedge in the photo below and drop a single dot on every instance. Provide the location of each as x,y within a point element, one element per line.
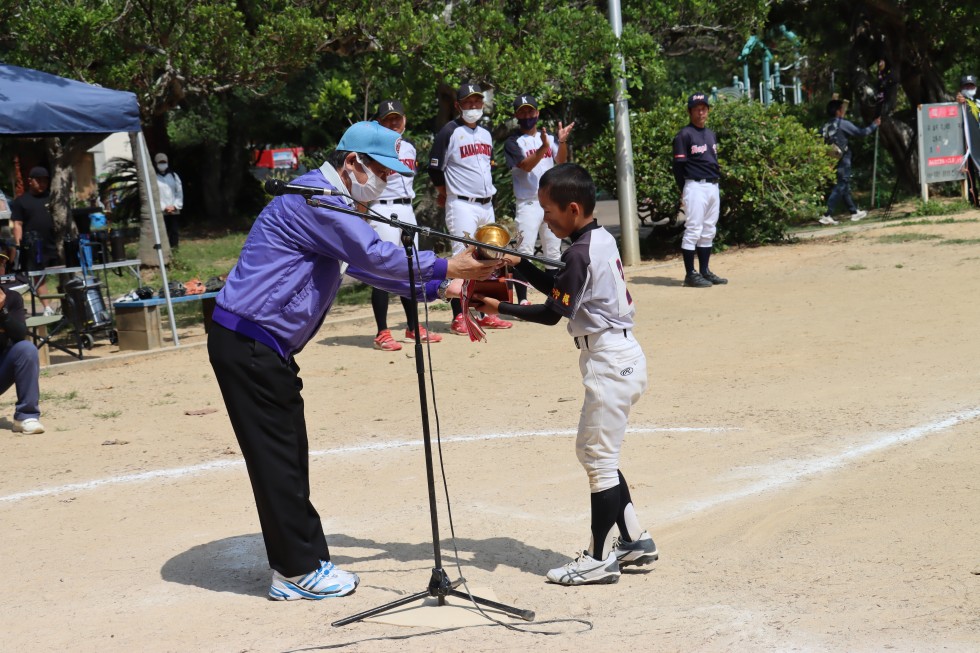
<point>775,171</point>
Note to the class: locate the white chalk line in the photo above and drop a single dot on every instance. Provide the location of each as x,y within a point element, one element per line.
<point>793,472</point>
<point>789,472</point>
<point>195,470</point>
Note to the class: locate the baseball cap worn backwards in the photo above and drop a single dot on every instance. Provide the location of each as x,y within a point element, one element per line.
<point>379,143</point>
<point>525,101</point>
<point>696,99</point>
<point>467,90</point>
<point>38,172</point>
<point>388,107</point>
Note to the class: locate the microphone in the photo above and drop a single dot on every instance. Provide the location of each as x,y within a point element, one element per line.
<point>279,187</point>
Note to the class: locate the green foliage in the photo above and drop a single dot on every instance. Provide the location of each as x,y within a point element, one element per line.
<point>939,207</point>
<point>120,185</point>
<point>774,169</point>
<point>335,102</point>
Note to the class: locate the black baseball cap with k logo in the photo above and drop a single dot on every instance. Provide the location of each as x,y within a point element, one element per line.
<point>388,107</point>
<point>525,101</point>
<point>467,90</point>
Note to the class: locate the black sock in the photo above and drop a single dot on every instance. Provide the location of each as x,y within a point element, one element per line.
<point>624,500</point>
<point>519,288</point>
<point>688,260</point>
<point>704,253</point>
<point>457,307</point>
<point>605,509</point>
<point>379,303</point>
<point>410,318</point>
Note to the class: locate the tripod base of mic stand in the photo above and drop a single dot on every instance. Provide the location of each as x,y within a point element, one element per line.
<point>440,587</point>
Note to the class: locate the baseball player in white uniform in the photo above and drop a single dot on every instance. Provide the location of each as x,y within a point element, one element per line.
<point>460,167</point>
<point>697,173</point>
<point>395,200</point>
<point>591,292</point>
<point>530,153</point>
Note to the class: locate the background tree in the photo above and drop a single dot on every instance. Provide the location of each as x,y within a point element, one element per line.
<point>928,43</point>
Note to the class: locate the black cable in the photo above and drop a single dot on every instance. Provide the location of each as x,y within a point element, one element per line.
<point>426,634</point>
<point>438,434</point>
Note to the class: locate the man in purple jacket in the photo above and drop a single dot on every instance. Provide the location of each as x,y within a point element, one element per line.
<point>273,303</point>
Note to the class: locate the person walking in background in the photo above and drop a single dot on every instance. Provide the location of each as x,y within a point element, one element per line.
<point>396,199</point>
<point>839,131</point>
<point>697,172</point>
<point>460,166</point>
<point>171,198</point>
<point>530,153</point>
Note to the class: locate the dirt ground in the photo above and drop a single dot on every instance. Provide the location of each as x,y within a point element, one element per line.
<point>806,459</point>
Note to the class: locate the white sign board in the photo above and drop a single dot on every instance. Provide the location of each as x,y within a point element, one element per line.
<point>941,144</point>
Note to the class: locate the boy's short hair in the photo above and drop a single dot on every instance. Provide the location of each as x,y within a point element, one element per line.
<point>567,183</point>
<point>833,107</point>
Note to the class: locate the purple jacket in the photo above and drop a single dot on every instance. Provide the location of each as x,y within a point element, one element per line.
<point>289,270</point>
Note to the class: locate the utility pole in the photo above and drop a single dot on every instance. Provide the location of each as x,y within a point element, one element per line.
<point>625,182</point>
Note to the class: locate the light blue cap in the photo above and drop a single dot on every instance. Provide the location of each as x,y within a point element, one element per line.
<point>379,143</point>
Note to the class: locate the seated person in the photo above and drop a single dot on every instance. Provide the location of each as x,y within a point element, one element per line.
<point>19,366</point>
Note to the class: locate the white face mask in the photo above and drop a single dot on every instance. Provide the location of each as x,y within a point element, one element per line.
<point>369,190</point>
<point>162,167</point>
<point>471,116</point>
<point>969,92</point>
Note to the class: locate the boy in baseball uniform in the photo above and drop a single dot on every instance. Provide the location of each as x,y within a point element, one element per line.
<point>697,172</point>
<point>395,199</point>
<point>460,166</point>
<point>530,153</point>
<point>591,292</point>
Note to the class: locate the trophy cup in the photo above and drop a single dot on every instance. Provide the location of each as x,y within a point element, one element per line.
<point>496,286</point>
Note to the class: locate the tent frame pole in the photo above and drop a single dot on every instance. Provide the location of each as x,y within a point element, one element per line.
<point>144,159</point>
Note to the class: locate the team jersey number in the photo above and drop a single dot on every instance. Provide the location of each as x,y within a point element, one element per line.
<point>624,300</point>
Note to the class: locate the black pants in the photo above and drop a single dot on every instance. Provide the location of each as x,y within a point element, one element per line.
<point>171,222</point>
<point>262,395</point>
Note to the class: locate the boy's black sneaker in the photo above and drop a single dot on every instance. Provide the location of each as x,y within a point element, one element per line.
<point>695,280</point>
<point>714,278</point>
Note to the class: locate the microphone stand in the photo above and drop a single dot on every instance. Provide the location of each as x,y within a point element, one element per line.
<point>440,586</point>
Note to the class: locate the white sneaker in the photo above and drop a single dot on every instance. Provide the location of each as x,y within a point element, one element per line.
<point>48,311</point>
<point>326,582</point>
<point>860,215</point>
<point>641,551</point>
<point>827,220</point>
<point>586,570</point>
<point>29,426</point>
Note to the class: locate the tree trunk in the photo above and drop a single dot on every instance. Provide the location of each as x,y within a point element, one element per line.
<point>62,153</point>
<point>885,31</point>
<point>60,188</point>
<point>149,193</point>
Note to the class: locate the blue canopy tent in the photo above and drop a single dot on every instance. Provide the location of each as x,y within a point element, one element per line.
<point>34,103</point>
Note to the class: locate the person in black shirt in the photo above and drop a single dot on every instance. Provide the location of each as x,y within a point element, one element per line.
<point>696,171</point>
<point>19,365</point>
<point>32,220</point>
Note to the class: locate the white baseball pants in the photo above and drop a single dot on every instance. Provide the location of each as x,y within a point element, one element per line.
<point>530,223</point>
<point>702,203</point>
<point>614,373</point>
<point>463,218</point>
<point>386,232</point>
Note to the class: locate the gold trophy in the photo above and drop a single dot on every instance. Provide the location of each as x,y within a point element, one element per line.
<point>496,286</point>
<point>492,234</point>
